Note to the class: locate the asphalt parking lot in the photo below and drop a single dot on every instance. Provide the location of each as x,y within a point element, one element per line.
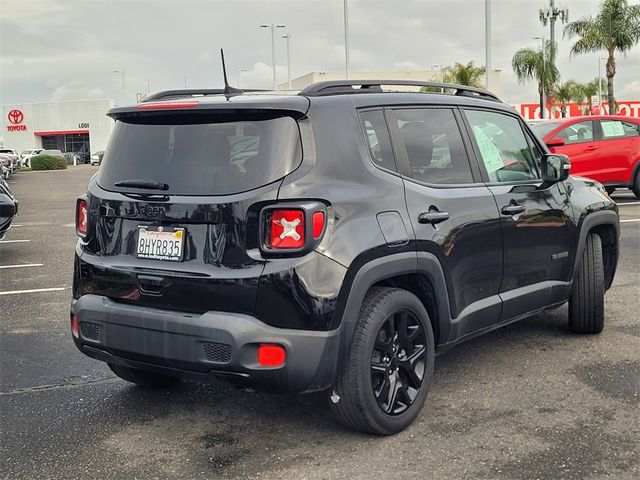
<point>525,402</point>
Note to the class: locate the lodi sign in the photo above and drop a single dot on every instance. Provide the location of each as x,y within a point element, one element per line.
<point>531,111</point>
<point>15,117</point>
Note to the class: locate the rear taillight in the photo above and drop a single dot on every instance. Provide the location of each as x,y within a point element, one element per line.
<point>82,217</point>
<point>292,228</point>
<point>287,229</point>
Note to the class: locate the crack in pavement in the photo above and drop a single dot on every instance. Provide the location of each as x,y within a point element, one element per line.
<point>54,386</point>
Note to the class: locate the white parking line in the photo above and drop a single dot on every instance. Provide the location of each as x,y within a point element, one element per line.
<point>14,241</point>
<point>628,203</point>
<point>24,265</point>
<point>14,225</point>
<point>35,290</point>
<point>630,220</point>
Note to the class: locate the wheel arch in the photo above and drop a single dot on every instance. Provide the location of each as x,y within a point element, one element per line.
<point>606,225</point>
<point>420,273</point>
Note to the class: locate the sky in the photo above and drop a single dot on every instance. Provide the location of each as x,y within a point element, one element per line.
<point>68,49</point>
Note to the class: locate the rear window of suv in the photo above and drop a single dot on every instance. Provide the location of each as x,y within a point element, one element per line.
<point>201,156</point>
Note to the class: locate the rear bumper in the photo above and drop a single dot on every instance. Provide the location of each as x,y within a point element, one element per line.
<point>204,346</point>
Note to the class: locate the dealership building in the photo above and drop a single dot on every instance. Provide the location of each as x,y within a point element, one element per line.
<point>79,126</point>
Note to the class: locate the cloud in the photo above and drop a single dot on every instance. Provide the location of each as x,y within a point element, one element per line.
<point>48,46</point>
<point>74,89</point>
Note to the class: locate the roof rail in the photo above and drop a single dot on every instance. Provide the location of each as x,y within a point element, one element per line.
<point>342,87</point>
<point>189,93</point>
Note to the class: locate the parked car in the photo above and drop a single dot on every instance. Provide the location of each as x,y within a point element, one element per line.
<point>15,158</point>
<point>356,234</point>
<point>52,153</point>
<point>604,148</point>
<point>96,158</point>
<point>8,208</point>
<point>27,154</point>
<point>6,166</point>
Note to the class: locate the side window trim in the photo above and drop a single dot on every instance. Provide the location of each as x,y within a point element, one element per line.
<point>485,175</point>
<point>402,158</point>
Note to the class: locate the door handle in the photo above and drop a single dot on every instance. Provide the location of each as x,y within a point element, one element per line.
<point>513,209</point>
<point>591,148</point>
<point>433,217</point>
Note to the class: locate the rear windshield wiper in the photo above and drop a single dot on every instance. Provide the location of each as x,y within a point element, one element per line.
<point>145,184</point>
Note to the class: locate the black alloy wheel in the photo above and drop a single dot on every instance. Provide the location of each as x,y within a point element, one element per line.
<point>398,362</point>
<point>384,381</point>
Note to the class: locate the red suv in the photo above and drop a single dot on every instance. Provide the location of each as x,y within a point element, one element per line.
<point>604,148</point>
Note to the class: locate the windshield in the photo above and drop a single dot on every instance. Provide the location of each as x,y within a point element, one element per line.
<point>542,129</point>
<point>213,158</point>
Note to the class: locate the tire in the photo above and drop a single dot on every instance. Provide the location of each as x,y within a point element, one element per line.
<point>143,377</point>
<point>635,187</point>
<point>586,305</point>
<point>609,190</point>
<point>353,399</point>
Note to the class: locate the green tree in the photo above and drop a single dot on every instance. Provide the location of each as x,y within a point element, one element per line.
<point>529,64</point>
<point>616,27</point>
<point>564,93</point>
<point>468,74</point>
<point>587,91</point>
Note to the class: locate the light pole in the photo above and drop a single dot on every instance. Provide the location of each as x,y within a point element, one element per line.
<point>288,37</point>
<point>240,70</point>
<point>550,14</point>
<point>273,27</point>
<point>487,42</point>
<point>121,72</point>
<point>346,38</point>
<point>600,85</point>
<point>542,95</point>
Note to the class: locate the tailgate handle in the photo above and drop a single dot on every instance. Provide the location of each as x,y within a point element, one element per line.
<point>150,285</point>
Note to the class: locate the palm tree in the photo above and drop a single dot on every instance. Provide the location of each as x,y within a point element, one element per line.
<point>588,91</point>
<point>565,93</point>
<point>616,27</point>
<point>468,74</point>
<point>538,65</point>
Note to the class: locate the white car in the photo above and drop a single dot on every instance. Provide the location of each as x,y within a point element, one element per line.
<point>27,154</point>
<point>15,157</point>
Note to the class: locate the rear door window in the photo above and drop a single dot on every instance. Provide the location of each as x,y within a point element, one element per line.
<point>201,156</point>
<point>434,146</point>
<point>618,129</point>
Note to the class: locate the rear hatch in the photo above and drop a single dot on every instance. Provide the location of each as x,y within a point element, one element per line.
<point>173,210</point>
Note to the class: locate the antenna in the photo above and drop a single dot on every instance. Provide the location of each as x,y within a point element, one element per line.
<point>228,90</point>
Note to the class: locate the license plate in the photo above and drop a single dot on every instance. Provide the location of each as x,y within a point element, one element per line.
<point>160,243</point>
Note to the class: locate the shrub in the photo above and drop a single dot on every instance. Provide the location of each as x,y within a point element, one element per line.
<point>46,162</point>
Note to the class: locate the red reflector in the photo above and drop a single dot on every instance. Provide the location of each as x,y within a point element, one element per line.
<point>271,355</point>
<point>318,224</point>
<point>74,325</point>
<point>82,218</point>
<point>163,106</point>
<point>287,229</point>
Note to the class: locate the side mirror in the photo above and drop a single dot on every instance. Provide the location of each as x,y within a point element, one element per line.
<point>555,168</point>
<point>555,142</point>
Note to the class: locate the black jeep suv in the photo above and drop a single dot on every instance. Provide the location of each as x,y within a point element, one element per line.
<point>336,239</point>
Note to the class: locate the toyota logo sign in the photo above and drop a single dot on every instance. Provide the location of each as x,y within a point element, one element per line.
<point>15,117</point>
